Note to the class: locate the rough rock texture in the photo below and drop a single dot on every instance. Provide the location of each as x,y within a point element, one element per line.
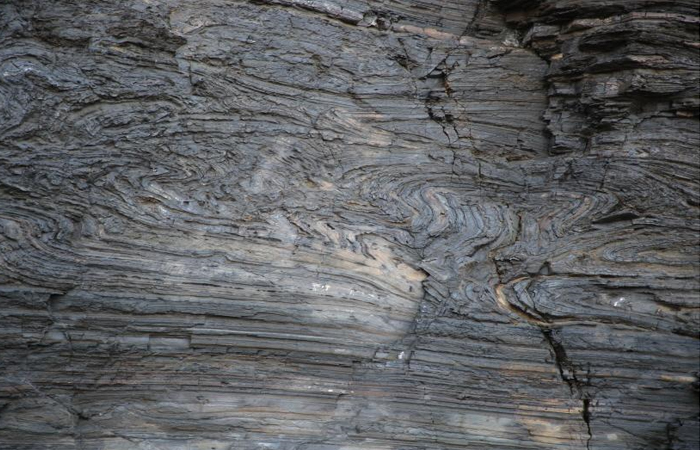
<point>397,224</point>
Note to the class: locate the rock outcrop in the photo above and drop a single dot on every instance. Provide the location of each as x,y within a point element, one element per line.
<point>362,224</point>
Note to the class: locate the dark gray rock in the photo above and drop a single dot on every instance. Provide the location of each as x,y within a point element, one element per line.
<point>308,224</point>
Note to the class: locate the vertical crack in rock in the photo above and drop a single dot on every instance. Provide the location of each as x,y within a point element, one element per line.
<point>567,371</point>
<point>587,418</point>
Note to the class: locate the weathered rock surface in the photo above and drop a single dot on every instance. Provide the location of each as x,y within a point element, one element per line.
<point>307,224</point>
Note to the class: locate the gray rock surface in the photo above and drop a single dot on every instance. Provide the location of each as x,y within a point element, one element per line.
<point>362,224</point>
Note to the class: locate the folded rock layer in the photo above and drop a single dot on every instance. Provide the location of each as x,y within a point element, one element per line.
<point>363,224</point>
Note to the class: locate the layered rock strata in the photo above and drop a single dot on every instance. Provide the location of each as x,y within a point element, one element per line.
<point>305,224</point>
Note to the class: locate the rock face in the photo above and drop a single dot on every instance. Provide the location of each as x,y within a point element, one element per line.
<point>362,224</point>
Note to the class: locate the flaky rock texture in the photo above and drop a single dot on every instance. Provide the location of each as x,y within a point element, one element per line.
<point>363,224</point>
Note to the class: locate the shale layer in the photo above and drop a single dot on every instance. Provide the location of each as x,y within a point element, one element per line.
<point>362,224</point>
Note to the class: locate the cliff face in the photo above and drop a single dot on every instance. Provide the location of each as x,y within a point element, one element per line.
<point>300,224</point>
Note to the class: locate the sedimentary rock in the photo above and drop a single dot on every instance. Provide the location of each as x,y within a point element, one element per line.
<point>308,224</point>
